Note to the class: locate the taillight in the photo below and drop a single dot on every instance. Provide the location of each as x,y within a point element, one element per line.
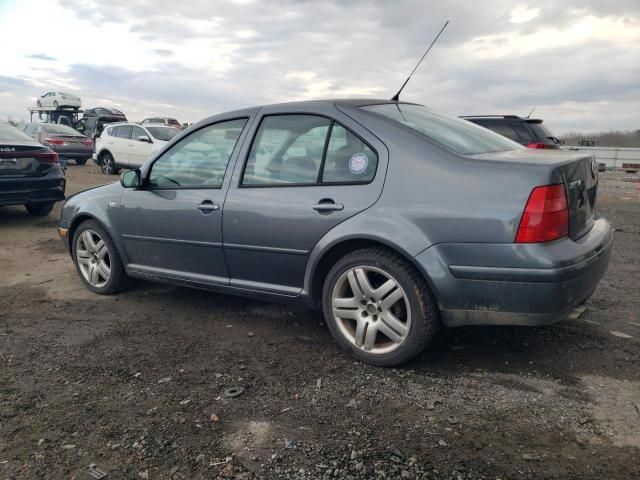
<point>48,157</point>
<point>537,145</point>
<point>87,141</point>
<point>54,141</point>
<point>545,217</point>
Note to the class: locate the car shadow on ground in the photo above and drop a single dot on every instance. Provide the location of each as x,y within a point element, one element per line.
<point>564,351</point>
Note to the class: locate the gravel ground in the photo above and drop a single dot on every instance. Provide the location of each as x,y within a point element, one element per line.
<point>136,383</point>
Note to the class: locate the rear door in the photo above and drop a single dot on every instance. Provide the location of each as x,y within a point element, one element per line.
<point>305,171</point>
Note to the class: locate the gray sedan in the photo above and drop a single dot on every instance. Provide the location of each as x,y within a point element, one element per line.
<point>64,140</point>
<point>392,218</point>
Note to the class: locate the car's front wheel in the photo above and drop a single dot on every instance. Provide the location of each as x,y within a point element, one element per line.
<point>39,209</point>
<point>379,307</point>
<point>97,260</point>
<point>108,164</point>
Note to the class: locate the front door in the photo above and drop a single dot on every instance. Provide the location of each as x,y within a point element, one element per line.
<point>139,151</point>
<point>304,173</point>
<point>172,227</point>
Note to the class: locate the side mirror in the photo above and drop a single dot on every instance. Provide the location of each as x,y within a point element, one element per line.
<point>144,138</point>
<point>130,179</point>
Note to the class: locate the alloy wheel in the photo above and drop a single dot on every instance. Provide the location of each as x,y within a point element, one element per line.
<point>371,309</point>
<point>107,164</point>
<point>93,258</point>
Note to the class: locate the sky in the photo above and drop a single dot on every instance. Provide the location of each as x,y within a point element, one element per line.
<point>576,61</point>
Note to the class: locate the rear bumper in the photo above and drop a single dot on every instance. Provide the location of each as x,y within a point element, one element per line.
<point>517,284</point>
<point>20,191</point>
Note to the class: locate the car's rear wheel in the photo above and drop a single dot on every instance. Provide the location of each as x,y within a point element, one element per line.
<point>39,104</point>
<point>97,260</point>
<point>81,161</point>
<point>39,209</point>
<point>379,307</point>
<point>108,164</point>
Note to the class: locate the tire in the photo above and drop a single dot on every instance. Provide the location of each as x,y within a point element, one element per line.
<point>81,161</point>
<point>108,164</point>
<point>39,104</point>
<point>55,105</point>
<point>410,322</point>
<point>94,255</point>
<point>39,209</point>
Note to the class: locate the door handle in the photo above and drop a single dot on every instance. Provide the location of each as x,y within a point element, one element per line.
<point>207,206</point>
<point>328,206</point>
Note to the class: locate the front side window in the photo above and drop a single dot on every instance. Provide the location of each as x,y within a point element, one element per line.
<point>199,160</point>
<point>459,135</point>
<point>307,150</point>
<point>138,132</point>
<point>122,131</point>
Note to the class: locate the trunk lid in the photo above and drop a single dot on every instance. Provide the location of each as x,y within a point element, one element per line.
<point>581,181</point>
<point>22,161</point>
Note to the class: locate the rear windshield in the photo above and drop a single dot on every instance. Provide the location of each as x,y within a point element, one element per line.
<point>173,121</point>
<point>163,133</point>
<point>458,135</point>
<point>543,134</point>
<point>8,133</point>
<point>60,130</point>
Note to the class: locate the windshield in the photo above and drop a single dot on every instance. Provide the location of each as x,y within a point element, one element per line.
<point>163,133</point>
<point>7,132</point>
<point>458,135</point>
<point>60,130</point>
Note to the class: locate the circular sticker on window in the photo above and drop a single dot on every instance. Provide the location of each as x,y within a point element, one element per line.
<point>358,163</point>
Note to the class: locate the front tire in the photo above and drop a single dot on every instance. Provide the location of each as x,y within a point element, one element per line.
<point>81,161</point>
<point>55,105</point>
<point>97,260</point>
<point>39,104</point>
<point>108,164</point>
<point>39,209</point>
<point>378,307</point>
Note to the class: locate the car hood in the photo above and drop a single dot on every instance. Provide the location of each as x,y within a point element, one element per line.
<point>109,188</point>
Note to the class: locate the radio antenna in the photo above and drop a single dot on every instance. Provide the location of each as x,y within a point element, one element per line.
<point>396,97</point>
<point>531,112</point>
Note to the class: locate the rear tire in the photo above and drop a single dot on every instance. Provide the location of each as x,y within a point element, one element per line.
<point>97,259</point>
<point>81,161</point>
<point>39,104</point>
<point>39,209</point>
<point>108,164</point>
<point>55,105</point>
<point>375,293</point>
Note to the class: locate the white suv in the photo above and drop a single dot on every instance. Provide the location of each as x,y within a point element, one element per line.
<point>129,145</point>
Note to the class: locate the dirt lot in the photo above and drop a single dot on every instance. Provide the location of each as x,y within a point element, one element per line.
<point>135,383</point>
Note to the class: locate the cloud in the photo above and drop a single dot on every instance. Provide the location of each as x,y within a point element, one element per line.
<point>578,61</point>
<point>41,56</point>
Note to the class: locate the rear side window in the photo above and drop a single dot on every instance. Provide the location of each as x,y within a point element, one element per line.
<point>348,158</point>
<point>306,150</point>
<point>459,135</point>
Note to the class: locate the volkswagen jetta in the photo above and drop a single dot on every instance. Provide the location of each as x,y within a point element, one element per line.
<point>392,218</point>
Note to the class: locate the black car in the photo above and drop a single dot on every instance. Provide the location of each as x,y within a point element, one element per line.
<point>30,173</point>
<point>527,131</point>
<point>95,119</point>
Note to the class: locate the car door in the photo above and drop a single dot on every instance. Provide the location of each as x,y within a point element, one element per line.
<point>138,151</point>
<point>305,172</point>
<point>172,227</point>
<point>120,144</point>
